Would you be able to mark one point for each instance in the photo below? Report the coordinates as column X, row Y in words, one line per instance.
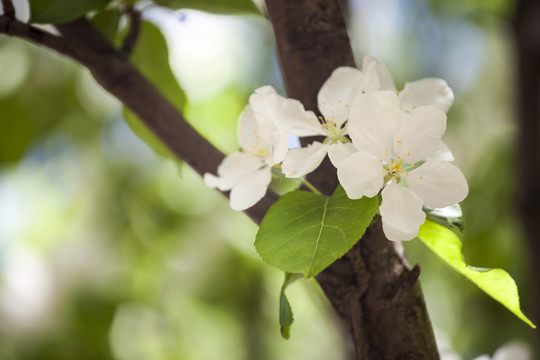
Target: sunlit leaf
column 213, row 6
column 286, row 317
column 58, row 11
column 152, row 58
column 304, row 232
column 497, row 283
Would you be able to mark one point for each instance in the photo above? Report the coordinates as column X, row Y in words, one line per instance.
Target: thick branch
column 83, row 43
column 375, row 294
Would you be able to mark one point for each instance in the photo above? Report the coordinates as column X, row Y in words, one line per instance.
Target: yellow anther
column 421, row 177
column 399, row 141
column 408, row 154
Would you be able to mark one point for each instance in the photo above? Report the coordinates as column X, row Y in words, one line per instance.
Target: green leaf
column 151, row 57
column 497, row 283
column 304, row 232
column 59, row 11
column 286, row 317
column 213, row 6
column 450, row 216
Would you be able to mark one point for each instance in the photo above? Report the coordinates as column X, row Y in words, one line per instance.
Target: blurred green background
column 111, row 249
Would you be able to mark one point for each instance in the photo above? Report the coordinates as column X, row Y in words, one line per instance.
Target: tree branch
column 375, row 294
column 9, row 9
column 82, row 42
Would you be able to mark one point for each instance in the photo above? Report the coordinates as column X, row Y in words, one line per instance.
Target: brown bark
column 527, row 42
column 373, row 291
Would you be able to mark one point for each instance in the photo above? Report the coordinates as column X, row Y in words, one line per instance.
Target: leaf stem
column 309, row 185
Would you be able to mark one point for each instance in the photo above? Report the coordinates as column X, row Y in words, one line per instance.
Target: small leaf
column 450, row 216
column 151, row 56
column 213, row 6
column 59, row 11
column 304, row 232
column 286, row 317
column 497, row 283
column 107, row 22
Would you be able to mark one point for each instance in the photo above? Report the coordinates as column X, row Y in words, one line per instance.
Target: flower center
column 334, row 133
column 397, row 170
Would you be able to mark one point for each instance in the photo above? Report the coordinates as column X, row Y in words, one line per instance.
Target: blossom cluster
column 380, row 140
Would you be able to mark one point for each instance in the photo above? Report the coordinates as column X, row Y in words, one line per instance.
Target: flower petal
column 233, row 169
column 420, row 133
column 361, row 174
column 287, row 114
column 249, row 135
column 250, row 190
column 339, row 151
column 301, row 161
column 438, row 183
column 401, row 212
column 337, row 93
column 376, row 75
column 373, row 121
column 429, row 91
column 441, row 152
column 280, row 146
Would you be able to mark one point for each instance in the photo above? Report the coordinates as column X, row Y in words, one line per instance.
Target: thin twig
column 9, row 9
column 134, row 29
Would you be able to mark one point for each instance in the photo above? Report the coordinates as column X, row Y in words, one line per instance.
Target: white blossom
column 247, row 173
column 334, row 100
column 393, row 148
column 428, row 91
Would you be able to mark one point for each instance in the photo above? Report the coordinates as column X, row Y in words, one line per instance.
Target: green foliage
column 286, row 317
column 450, row 216
column 17, row 131
column 107, row 22
column 151, row 57
column 59, row 11
column 304, row 232
column 497, row 283
column 213, row 6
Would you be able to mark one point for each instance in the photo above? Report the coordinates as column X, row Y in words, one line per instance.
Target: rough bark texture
column 527, row 32
column 371, row 288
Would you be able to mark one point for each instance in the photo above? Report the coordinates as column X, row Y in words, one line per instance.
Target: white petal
column 233, row 169
column 441, row 152
column 373, row 121
column 288, row 115
column 376, row 75
column 430, row 91
column 249, row 134
column 401, row 212
column 339, row 151
column 301, row 161
column 438, row 183
column 247, row 192
column 280, row 145
column 361, row 174
column 337, row 93
column 420, row 133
